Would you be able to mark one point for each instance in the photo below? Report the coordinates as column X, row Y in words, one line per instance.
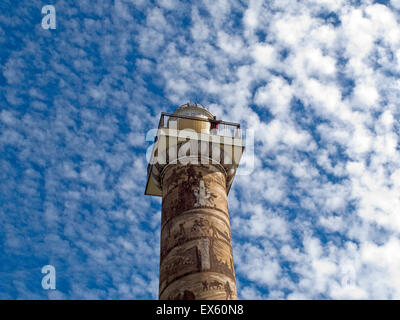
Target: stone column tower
column 193, row 164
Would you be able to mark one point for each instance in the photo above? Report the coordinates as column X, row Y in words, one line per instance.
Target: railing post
column 161, row 124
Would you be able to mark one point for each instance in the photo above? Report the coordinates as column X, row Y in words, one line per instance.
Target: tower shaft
column 196, row 260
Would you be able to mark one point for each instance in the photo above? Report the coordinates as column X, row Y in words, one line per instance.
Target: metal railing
column 217, row 127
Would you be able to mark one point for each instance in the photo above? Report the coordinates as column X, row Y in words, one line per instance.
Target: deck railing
column 217, row 127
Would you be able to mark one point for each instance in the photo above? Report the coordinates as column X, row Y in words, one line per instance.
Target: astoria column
column 192, row 166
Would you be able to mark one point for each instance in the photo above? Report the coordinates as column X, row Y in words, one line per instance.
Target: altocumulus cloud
column 318, row 81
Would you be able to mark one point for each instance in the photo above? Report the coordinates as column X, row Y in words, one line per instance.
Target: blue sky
column 317, row 81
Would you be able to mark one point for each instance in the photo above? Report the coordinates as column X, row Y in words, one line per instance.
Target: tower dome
column 192, row 109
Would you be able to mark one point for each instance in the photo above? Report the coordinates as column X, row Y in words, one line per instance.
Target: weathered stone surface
column 196, row 260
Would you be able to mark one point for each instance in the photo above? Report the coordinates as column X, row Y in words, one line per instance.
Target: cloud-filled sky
column 318, row 217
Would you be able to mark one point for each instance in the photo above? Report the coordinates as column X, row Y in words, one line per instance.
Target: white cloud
column 395, row 3
column 276, row 96
column 316, row 218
